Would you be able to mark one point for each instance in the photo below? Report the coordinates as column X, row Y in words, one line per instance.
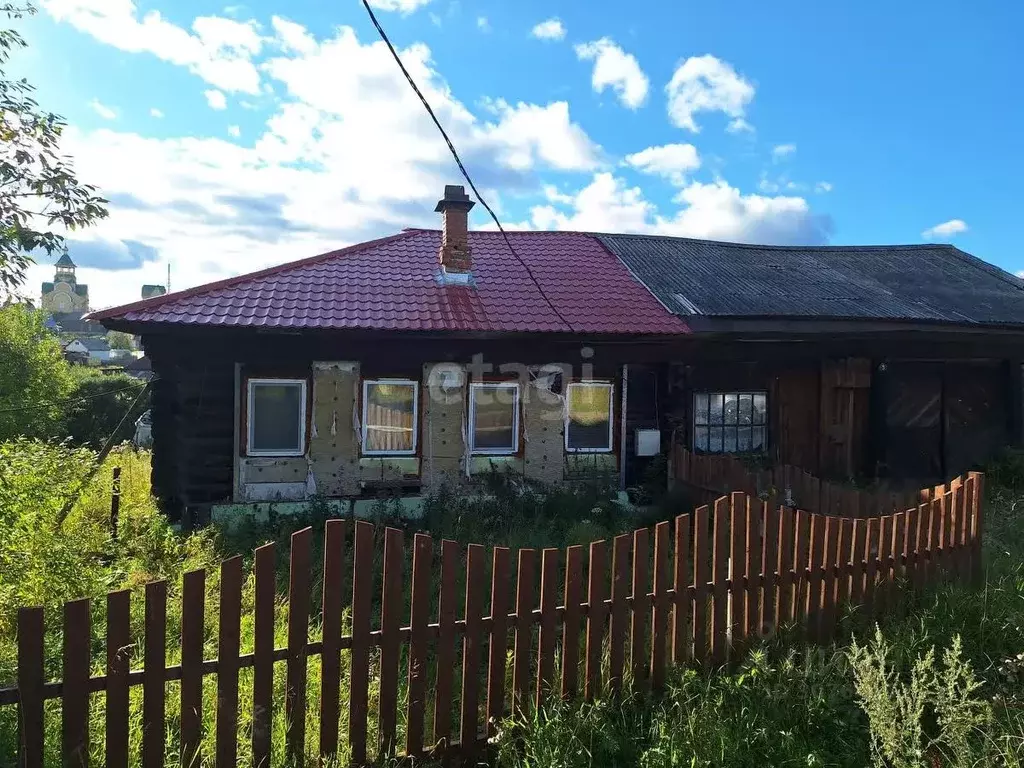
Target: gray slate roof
column 887, row 282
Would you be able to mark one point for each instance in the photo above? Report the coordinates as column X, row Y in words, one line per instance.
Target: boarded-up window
column 588, row 418
column 276, row 417
column 494, row 418
column 389, row 416
column 730, row 422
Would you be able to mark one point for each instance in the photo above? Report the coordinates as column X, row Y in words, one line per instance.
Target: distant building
column 96, row 350
column 65, row 294
column 149, row 291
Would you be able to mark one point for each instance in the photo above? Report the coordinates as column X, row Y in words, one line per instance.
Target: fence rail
column 614, row 614
column 717, row 474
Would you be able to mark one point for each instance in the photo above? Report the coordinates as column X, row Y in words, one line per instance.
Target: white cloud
column 615, row 69
column 945, row 230
column 707, row 84
column 823, row 186
column 218, row 50
column 154, row 112
column 782, row 151
column 714, row 211
column 672, row 161
column 739, row 125
column 347, row 154
column 216, row 99
column 551, row 29
column 402, row 6
column 107, row 113
column 234, row 131
column 483, row 24
column 292, row 36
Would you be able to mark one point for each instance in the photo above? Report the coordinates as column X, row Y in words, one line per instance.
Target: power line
column 458, row 161
column 68, row 401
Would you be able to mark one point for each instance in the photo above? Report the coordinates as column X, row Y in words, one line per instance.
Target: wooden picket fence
column 614, row 615
column 717, row 473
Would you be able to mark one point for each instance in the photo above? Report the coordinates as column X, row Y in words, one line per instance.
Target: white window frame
column 473, row 389
column 611, row 416
column 250, row 422
column 367, row 383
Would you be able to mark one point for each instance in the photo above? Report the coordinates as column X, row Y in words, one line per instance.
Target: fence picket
column 330, row 654
column 193, row 609
column 737, row 570
column 681, row 575
column 445, row 645
column 787, row 571
column 769, row 567
column 597, row 616
column 720, row 570
column 801, row 559
column 924, row 526
column 977, row 495
column 899, row 530
column 228, row 636
column 118, row 660
column 945, row 531
column 359, row 656
column 298, row 635
column 844, row 552
column 659, row 612
column 524, row 629
column 263, row 654
column 871, row 550
column 390, row 649
column 701, row 577
column 571, row 620
column 497, row 647
column 815, row 579
column 860, row 537
column 419, row 617
column 957, row 534
column 548, row 619
column 30, row 687
column 620, row 588
column 75, row 694
column 154, row 662
column 755, row 523
column 474, row 611
column 827, row 626
column 640, row 610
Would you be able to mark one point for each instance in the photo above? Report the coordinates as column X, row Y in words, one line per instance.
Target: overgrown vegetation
column 940, row 683
column 42, row 396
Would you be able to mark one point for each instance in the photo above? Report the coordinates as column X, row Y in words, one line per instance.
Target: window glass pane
column 715, row 409
column 700, row 438
column 590, row 408
column 494, row 415
column 715, row 441
column 700, row 409
column 276, row 416
column 389, row 416
column 758, row 442
column 730, row 410
column 729, row 440
column 760, row 408
column 745, row 407
column 743, row 442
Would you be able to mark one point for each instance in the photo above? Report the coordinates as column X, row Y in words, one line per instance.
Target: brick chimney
column 455, row 255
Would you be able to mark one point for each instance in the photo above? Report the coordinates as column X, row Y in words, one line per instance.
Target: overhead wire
column 68, row 401
column 458, row 161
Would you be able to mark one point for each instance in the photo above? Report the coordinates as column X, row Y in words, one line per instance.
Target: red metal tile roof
column 392, row 284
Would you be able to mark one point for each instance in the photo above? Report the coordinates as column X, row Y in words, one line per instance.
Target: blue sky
column 233, row 137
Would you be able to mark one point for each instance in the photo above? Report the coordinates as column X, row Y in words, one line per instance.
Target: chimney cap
column 454, row 197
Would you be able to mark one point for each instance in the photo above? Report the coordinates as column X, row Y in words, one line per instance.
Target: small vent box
column 648, row 442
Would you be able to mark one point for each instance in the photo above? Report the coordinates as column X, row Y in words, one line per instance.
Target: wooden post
column 75, row 698
column 30, row 687
column 115, row 502
column 419, row 617
column 227, row 662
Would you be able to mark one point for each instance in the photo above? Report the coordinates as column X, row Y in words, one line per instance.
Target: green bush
column 98, row 404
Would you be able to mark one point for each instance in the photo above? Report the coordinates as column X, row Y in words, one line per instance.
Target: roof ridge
column 230, row 282
column 765, row 247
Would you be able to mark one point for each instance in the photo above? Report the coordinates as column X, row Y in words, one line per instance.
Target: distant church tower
column 64, row 294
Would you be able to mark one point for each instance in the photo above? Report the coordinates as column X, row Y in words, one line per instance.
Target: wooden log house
column 398, row 364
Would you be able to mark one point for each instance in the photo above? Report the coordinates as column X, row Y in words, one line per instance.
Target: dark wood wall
column 912, row 407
